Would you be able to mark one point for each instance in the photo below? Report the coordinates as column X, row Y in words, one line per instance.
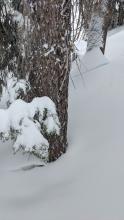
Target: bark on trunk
column 100, row 21
column 49, row 61
column 121, row 13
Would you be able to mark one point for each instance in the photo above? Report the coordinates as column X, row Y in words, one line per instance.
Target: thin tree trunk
column 121, row 13
column 99, row 24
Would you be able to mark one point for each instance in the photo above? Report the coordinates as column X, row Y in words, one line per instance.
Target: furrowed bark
column 49, row 62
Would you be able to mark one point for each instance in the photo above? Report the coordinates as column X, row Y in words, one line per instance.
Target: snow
column 12, row 89
column 88, row 181
column 81, row 47
column 94, row 59
column 87, row 62
column 31, row 139
column 4, row 121
column 21, row 126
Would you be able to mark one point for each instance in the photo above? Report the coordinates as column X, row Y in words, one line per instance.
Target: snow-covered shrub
column 27, row 123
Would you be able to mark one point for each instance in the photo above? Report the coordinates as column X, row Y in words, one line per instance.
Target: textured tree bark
column 121, row 13
column 100, row 21
column 39, row 50
column 49, row 61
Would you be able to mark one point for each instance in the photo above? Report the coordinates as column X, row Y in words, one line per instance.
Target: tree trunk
column 50, row 62
column 121, row 13
column 99, row 24
column 40, row 52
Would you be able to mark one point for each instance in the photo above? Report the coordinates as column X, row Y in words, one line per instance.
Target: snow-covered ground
column 87, row 183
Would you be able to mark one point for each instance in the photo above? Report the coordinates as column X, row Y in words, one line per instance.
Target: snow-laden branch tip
column 28, row 123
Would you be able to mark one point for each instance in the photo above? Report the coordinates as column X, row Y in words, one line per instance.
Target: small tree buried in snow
column 29, row 125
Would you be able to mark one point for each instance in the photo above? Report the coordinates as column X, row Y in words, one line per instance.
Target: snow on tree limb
column 28, row 123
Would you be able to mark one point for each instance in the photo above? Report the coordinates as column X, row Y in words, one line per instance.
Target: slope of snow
column 88, row 62
column 87, row 183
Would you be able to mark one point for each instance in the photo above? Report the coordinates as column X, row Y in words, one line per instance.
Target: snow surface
column 87, row 183
column 88, row 62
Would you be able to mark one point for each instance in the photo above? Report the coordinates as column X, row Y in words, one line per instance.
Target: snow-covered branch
column 28, row 124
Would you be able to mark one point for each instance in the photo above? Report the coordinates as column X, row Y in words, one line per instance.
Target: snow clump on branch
column 28, row 124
